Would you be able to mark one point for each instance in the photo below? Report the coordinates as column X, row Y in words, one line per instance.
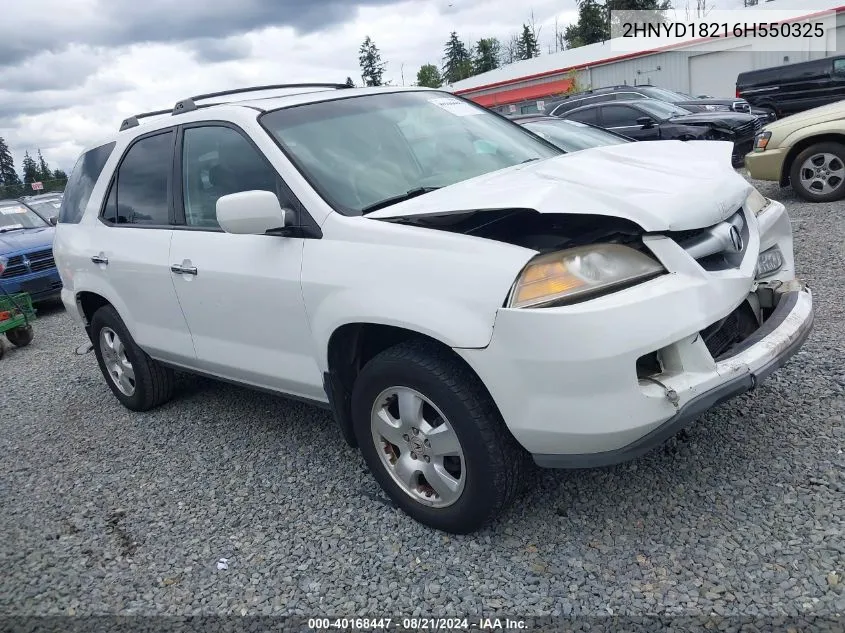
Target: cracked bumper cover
column 769, row 348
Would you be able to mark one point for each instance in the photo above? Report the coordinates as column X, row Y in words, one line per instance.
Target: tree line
column 34, row 170
column 462, row 60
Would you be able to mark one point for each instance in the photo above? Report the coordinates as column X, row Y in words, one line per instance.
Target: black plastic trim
column 282, row 394
column 339, row 403
column 698, row 405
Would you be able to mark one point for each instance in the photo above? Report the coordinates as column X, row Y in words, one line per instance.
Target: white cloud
column 64, row 100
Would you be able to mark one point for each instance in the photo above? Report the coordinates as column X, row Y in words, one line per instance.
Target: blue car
column 26, row 252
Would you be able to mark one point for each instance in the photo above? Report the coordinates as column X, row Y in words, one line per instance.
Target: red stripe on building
column 522, row 94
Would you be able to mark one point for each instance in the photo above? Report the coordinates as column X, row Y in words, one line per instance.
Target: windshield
column 362, row 151
column 572, row 136
column 47, row 208
column 666, row 95
column 17, row 216
column 661, row 110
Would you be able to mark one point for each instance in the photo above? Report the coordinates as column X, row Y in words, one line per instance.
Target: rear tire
column 486, row 468
column 808, row 183
column 150, row 384
column 20, row 336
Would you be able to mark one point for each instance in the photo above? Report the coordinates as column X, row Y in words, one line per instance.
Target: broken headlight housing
column 769, row 262
column 580, row 273
column 756, row 202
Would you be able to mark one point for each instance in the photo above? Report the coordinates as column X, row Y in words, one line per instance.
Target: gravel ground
column 107, row 511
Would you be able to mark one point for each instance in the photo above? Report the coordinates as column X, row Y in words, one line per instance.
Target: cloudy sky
column 71, row 70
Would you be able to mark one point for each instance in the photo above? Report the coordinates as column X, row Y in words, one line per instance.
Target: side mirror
column 54, row 220
column 645, row 121
column 250, row 213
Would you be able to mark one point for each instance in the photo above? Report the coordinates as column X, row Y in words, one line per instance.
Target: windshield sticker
column 455, row 106
column 12, row 210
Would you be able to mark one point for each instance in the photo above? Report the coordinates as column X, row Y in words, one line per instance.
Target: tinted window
column 661, row 110
column 588, row 115
column 217, row 161
column 81, row 183
column 141, row 193
column 572, row 136
column 839, row 66
column 619, row 116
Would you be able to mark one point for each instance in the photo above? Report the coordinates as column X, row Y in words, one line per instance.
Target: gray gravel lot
column 107, row 511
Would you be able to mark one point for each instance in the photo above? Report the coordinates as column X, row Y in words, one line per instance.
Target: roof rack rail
column 133, row 120
column 189, row 104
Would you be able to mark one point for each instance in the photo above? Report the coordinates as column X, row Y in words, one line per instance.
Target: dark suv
column 794, row 88
column 629, row 93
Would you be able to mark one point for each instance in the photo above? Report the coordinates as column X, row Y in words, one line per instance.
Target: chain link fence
column 19, row 191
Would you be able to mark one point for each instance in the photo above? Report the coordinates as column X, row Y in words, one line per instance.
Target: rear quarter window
column 81, row 183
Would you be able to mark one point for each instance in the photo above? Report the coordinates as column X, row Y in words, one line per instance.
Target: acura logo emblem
column 736, row 239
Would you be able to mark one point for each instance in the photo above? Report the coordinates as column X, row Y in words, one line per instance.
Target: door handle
column 100, row 259
column 183, row 270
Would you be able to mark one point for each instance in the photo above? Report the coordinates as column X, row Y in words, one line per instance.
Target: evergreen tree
column 591, row 26
column 457, row 63
column 44, row 172
column 59, row 174
column 349, row 82
column 30, row 169
column 487, row 54
column 429, row 76
column 8, row 174
column 527, row 47
column 372, row 68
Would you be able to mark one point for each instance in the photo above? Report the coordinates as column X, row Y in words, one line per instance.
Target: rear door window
column 81, row 183
column 141, row 192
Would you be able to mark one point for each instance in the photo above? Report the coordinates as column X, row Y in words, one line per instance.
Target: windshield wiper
column 14, row 228
column 411, row 193
column 529, row 160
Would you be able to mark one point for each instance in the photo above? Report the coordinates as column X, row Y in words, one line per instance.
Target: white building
column 709, row 68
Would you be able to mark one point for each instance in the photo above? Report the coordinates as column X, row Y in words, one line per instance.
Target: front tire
column 138, row 381
column 433, row 438
column 818, row 173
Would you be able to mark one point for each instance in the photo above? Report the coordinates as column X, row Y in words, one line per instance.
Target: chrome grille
column 746, row 129
column 717, row 247
column 31, row 262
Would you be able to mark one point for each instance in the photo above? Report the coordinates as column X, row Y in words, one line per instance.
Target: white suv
column 463, row 296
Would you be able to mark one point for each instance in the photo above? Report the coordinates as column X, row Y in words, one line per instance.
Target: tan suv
column 806, row 150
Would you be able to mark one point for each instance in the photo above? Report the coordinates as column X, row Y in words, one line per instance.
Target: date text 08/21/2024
column 415, row 624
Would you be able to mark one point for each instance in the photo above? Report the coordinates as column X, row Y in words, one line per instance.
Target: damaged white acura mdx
column 463, row 296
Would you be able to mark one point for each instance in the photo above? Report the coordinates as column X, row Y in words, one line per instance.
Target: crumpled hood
column 26, row 239
column 659, row 185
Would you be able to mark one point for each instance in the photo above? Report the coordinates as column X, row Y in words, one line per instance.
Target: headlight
column 717, row 108
column 756, row 202
column 579, row 273
column 761, row 141
column 3, row 262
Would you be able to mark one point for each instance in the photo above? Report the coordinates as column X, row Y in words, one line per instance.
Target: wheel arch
column 802, row 144
column 89, row 301
column 349, row 348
